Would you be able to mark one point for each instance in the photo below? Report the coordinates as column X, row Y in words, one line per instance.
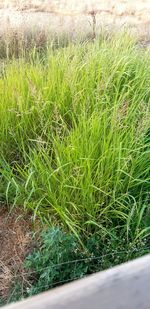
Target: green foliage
column 53, row 263
column 59, row 258
column 74, row 137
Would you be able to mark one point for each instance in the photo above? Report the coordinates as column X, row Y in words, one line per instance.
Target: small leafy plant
column 59, row 258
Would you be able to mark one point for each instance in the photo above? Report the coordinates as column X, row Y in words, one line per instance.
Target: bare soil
column 15, row 241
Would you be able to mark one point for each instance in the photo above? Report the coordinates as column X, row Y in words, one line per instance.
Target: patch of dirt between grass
column 15, row 243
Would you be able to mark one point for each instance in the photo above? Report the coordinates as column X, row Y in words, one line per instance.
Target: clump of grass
column 15, row 43
column 20, row 43
column 73, row 129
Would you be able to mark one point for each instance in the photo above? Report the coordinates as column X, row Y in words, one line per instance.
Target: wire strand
column 94, row 258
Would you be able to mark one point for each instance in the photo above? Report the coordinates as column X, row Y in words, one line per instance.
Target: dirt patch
column 15, row 241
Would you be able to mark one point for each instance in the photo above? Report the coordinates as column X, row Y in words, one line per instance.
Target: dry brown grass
column 15, row 240
column 64, row 16
column 17, row 43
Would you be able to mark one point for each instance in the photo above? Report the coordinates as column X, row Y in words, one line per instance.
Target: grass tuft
column 74, row 131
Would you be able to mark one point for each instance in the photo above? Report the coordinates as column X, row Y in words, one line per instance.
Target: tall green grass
column 75, row 142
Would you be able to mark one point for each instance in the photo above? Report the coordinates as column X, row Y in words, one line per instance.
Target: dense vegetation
column 75, row 141
column 59, row 259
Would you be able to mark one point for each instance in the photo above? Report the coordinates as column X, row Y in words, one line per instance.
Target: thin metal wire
column 60, row 282
column 83, row 260
column 53, row 284
column 48, row 286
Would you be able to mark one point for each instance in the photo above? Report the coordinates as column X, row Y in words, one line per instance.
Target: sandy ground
column 75, row 15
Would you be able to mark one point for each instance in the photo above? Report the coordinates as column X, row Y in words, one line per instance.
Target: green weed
column 59, row 259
